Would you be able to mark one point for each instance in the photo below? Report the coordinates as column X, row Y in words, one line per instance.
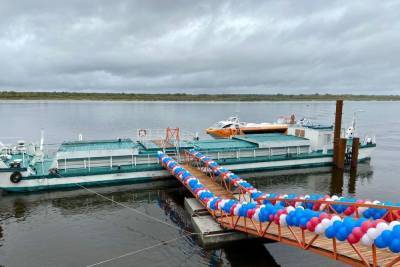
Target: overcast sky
column 201, row 46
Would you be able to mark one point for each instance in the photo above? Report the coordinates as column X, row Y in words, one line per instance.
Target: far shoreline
column 197, row 98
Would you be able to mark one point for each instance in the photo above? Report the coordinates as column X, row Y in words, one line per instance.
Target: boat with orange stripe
column 233, row 126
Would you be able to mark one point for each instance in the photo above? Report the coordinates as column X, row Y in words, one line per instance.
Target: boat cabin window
column 227, row 126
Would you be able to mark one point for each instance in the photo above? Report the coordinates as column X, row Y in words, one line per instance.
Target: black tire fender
column 15, row 177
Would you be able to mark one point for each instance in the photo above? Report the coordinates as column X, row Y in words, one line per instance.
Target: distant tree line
column 12, row 95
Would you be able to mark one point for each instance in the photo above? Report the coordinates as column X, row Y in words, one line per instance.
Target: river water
column 79, row 228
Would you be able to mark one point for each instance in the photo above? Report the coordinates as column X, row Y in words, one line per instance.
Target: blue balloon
column 336, row 225
column 367, row 213
column 380, row 243
column 289, row 220
column 303, row 222
column 376, row 215
column 387, row 236
column 395, row 245
column 396, row 231
column 330, row 232
column 342, row 233
column 295, row 221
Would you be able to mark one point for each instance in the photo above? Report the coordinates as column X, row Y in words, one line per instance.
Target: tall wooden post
column 354, row 152
column 341, row 153
column 337, row 131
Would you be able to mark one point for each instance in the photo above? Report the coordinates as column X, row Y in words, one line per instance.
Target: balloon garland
column 261, row 197
column 352, row 230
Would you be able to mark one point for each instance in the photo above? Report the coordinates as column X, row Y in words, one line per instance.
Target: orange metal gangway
column 353, row 254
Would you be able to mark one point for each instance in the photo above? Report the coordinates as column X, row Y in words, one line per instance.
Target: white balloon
column 366, row 241
column 290, row 209
column 255, row 216
column 372, row 233
column 380, row 227
column 326, row 222
column 319, row 229
column 335, row 218
column 335, row 197
column 323, row 206
column 376, row 202
column 236, row 210
column 282, row 220
column 222, row 203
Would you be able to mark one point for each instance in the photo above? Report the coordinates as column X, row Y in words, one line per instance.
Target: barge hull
column 114, row 178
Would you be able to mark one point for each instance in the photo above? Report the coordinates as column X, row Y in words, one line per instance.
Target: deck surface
column 214, row 187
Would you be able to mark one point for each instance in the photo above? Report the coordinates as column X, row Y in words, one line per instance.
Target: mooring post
column 354, row 152
column 337, row 131
column 341, row 153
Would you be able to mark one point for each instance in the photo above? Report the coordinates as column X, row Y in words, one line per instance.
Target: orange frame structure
column 353, row 254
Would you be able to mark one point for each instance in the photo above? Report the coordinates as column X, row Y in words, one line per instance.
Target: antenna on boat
column 41, row 139
column 353, row 123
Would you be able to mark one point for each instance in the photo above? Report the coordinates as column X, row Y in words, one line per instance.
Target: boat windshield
column 227, row 125
column 219, row 125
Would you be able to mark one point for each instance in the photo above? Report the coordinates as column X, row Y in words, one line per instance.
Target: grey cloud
column 201, row 46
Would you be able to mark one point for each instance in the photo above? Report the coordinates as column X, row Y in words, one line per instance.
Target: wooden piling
column 341, row 153
column 337, row 131
column 354, row 152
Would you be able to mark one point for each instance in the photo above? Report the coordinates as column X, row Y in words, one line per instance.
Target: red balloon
column 315, row 221
column 352, row 239
column 357, row 232
column 347, row 212
column 365, row 226
column 323, row 216
column 310, row 226
column 317, row 205
column 250, row 213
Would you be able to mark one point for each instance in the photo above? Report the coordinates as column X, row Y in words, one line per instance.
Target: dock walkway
column 353, row 254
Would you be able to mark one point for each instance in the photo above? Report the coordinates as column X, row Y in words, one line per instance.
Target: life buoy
column 142, row 133
column 15, row 177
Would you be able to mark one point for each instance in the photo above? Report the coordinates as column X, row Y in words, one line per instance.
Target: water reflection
column 324, row 180
column 256, row 254
column 336, row 185
column 352, row 182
